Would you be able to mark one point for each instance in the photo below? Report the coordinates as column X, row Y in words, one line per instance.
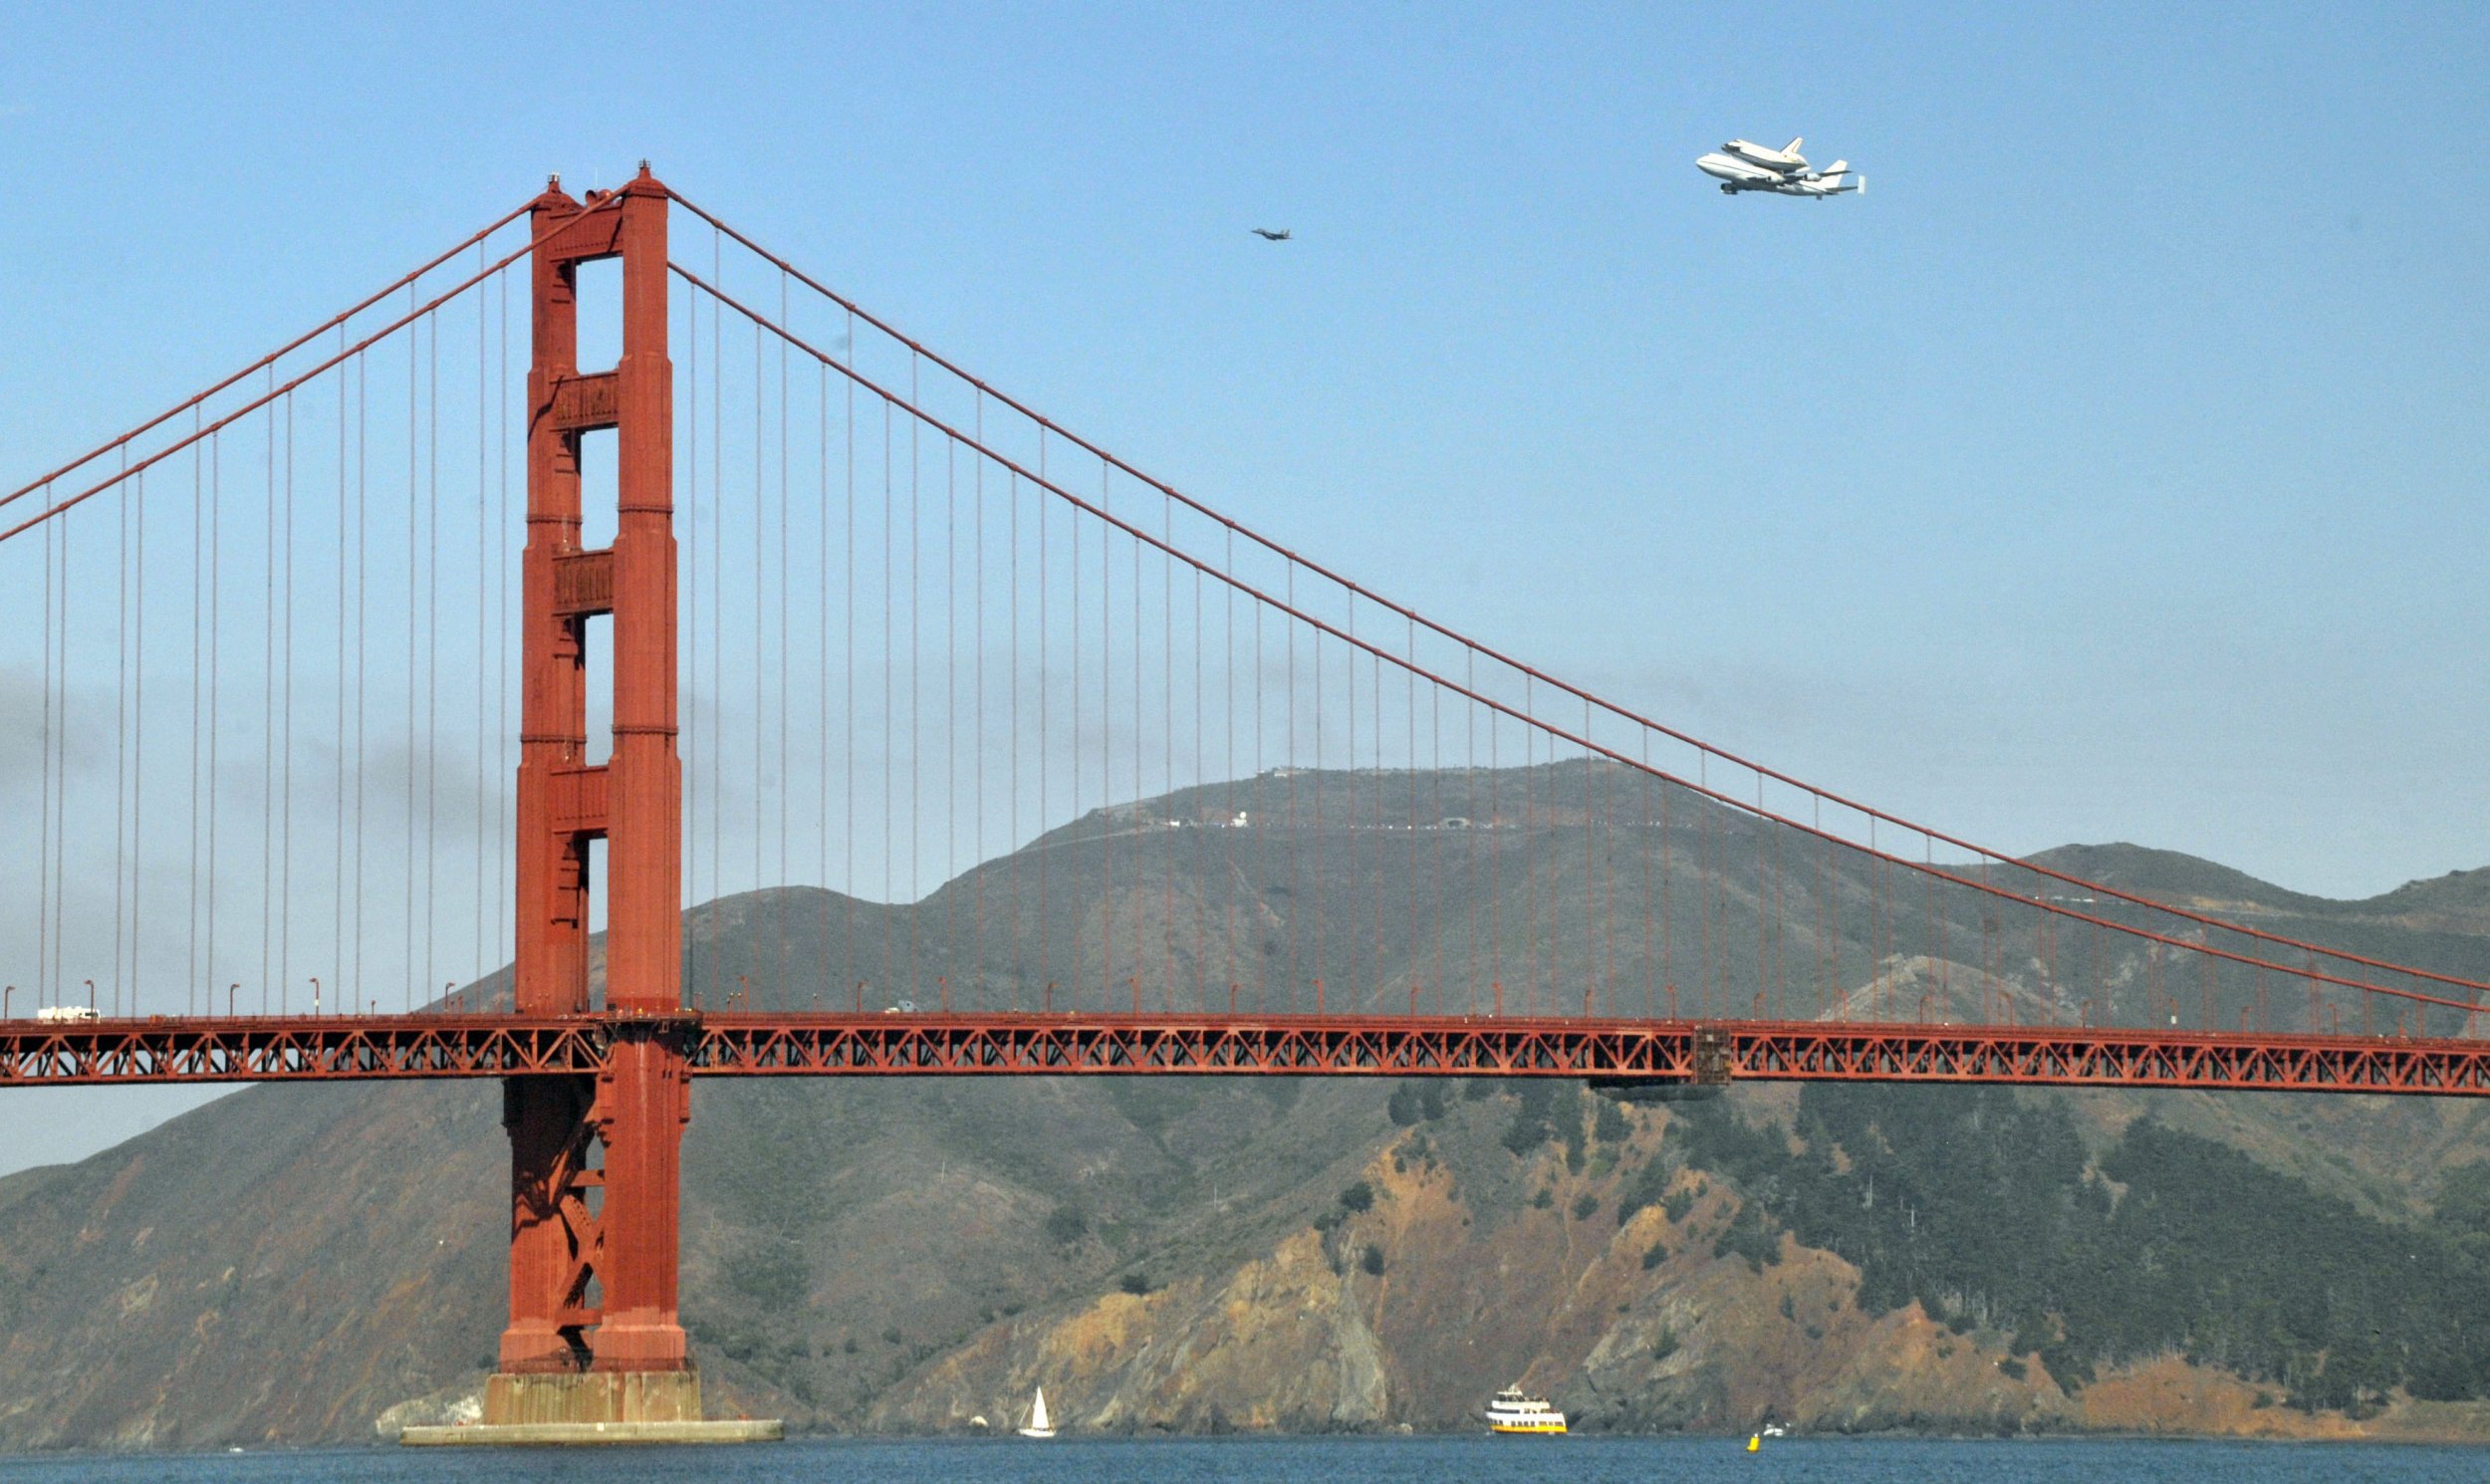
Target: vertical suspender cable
column 285, row 806
column 1106, row 752
column 1668, row 937
column 363, row 673
column 1045, row 936
column 977, row 736
column 1201, row 840
column 1824, row 946
column 268, row 719
column 431, row 646
column 120, row 721
column 1768, row 888
column 760, row 618
column 1495, row 813
column 1233, row 933
column 348, row 989
column 1421, row 884
column 1315, row 638
column 1257, row 686
column 415, row 585
column 951, row 697
column 950, row 669
column 849, row 832
column 915, row 663
column 1936, row 929
column 717, row 588
column 1354, row 993
column 1464, row 867
column 1875, row 922
column 503, row 532
column 889, row 695
column 44, row 875
column 1382, row 892
column 1436, row 837
column 1530, row 850
column 1641, row 825
column 1140, row 750
column 700, row 739
column 890, row 728
column 1703, row 881
column 198, row 550
column 1167, row 732
column 1602, row 938
column 1072, row 970
column 786, row 786
column 215, row 608
column 483, row 564
column 1011, row 681
column 137, row 734
column 1167, row 740
column 59, row 777
column 697, row 738
column 822, row 650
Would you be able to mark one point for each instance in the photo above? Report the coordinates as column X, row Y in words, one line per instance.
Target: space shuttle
column 1785, row 160
column 1743, row 165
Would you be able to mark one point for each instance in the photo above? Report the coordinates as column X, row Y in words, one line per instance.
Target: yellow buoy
column 1755, row 1444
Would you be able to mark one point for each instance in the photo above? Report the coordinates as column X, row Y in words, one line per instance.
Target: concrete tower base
column 596, row 1407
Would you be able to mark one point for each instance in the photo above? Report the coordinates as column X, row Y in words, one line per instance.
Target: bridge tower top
column 633, row 801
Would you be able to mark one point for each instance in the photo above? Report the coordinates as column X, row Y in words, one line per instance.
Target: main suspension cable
column 1324, row 629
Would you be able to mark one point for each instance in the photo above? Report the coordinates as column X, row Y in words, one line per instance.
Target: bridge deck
column 798, row 1043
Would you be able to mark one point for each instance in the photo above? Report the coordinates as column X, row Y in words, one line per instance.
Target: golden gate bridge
column 1090, row 778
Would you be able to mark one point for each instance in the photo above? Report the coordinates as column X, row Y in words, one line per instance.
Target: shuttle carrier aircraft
column 1745, row 165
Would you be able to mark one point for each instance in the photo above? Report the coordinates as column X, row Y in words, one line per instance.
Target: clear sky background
column 2113, row 470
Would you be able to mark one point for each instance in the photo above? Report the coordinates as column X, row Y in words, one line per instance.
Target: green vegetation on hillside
column 1985, row 1208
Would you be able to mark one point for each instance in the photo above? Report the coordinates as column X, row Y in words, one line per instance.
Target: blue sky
column 2110, row 471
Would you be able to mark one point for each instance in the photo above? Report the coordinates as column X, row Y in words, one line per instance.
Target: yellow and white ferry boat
column 1512, row 1413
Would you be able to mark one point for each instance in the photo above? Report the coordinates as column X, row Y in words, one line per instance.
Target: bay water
column 1349, row 1460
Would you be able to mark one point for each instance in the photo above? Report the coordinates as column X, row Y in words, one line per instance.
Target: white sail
column 1039, row 1426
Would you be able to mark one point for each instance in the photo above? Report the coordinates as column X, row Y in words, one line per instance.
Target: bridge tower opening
column 596, row 1188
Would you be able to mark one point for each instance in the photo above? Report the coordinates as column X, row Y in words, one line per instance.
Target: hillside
column 293, row 1264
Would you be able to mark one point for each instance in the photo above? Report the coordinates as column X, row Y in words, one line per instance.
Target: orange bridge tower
column 596, row 1189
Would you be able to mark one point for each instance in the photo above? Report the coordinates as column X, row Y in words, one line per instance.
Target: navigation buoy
column 1755, row 1442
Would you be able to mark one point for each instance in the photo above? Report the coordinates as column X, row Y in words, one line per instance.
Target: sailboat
column 1039, row 1426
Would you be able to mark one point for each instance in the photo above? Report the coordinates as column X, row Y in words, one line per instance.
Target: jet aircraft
column 1267, row 235
column 1743, row 165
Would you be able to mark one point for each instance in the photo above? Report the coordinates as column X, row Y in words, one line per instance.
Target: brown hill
column 298, row 1263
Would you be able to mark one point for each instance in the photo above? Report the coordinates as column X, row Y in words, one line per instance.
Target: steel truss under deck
column 798, row 1043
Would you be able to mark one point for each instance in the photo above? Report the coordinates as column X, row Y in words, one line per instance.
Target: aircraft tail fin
column 1793, row 146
